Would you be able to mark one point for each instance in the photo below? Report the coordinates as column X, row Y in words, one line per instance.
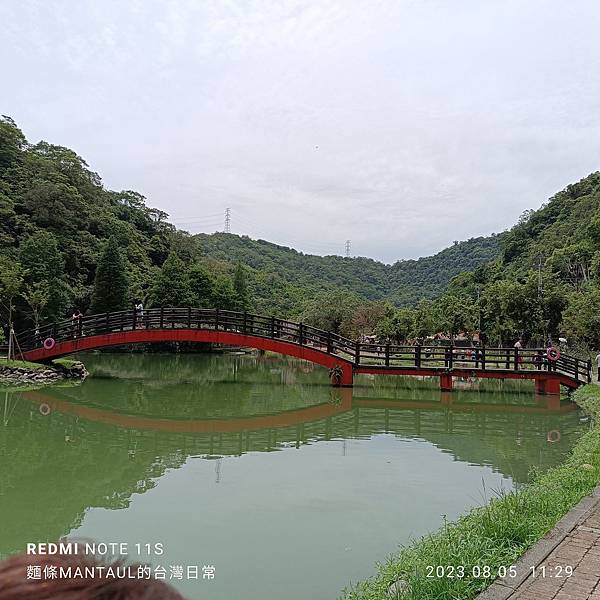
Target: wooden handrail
column 384, row 355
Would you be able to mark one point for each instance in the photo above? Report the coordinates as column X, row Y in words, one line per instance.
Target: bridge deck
column 342, row 356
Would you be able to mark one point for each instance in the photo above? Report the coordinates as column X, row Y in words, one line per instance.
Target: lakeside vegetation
column 25, row 364
column 496, row 534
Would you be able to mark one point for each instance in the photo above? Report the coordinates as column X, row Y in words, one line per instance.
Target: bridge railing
column 190, row 318
column 361, row 354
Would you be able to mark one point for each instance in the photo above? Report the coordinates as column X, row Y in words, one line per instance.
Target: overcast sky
column 400, row 125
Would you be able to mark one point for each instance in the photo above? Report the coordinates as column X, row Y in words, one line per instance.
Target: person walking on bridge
column 518, row 347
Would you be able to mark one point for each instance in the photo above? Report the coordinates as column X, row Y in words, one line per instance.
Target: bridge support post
column 446, row 382
column 547, row 386
column 446, row 398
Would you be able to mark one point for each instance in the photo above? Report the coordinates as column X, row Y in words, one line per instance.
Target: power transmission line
column 227, row 220
column 202, row 217
column 246, row 223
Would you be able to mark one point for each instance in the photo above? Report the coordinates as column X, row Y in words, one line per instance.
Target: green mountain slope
column 544, row 285
column 569, row 220
column 404, row 282
column 56, row 219
column 427, row 277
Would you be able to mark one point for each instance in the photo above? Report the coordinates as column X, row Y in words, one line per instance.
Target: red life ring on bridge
column 44, row 409
column 553, row 436
column 553, row 353
column 49, row 343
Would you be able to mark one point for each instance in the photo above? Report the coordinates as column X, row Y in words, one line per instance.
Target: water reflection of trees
column 201, row 386
column 55, row 467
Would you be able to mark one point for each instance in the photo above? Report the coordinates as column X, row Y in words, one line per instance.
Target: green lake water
column 255, row 465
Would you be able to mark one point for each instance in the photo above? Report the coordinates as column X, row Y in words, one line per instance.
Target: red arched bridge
column 343, row 357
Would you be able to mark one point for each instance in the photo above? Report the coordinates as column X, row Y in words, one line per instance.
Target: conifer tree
column 240, row 285
column 172, row 284
column 45, row 268
column 201, row 286
column 111, row 285
column 224, row 296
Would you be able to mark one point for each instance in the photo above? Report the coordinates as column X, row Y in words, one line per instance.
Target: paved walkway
column 580, row 550
column 573, row 543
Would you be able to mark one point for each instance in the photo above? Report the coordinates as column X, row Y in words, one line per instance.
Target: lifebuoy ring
column 45, row 409
column 553, row 353
column 49, row 343
column 553, row 436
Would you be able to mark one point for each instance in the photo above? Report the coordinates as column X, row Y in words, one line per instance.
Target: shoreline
column 17, row 373
column 496, row 535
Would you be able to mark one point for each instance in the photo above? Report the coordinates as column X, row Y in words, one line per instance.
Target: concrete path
column 572, row 546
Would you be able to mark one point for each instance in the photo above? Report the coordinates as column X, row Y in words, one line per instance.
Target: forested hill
column 67, row 243
column 545, row 283
column 428, row 277
column 404, row 282
column 564, row 234
column 55, row 219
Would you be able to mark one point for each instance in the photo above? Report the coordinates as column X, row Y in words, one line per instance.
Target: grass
column 496, row 534
column 24, row 364
column 64, row 362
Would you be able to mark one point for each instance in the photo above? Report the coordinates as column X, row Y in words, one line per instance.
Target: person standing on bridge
column 518, row 347
column 76, row 322
column 538, row 359
column 139, row 313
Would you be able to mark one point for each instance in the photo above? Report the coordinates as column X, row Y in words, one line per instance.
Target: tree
column 172, row 284
column 399, row 326
column 240, row 285
column 223, row 293
column 332, row 311
column 464, row 285
column 572, row 263
column 37, row 296
column 8, row 218
column 44, row 263
column 500, row 302
column 111, row 284
column 367, row 315
column 426, row 318
column 456, row 314
column 582, row 317
column 12, row 142
column 11, row 282
column 201, row 286
column 594, row 230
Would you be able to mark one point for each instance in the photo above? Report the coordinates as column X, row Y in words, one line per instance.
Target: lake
column 256, row 466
